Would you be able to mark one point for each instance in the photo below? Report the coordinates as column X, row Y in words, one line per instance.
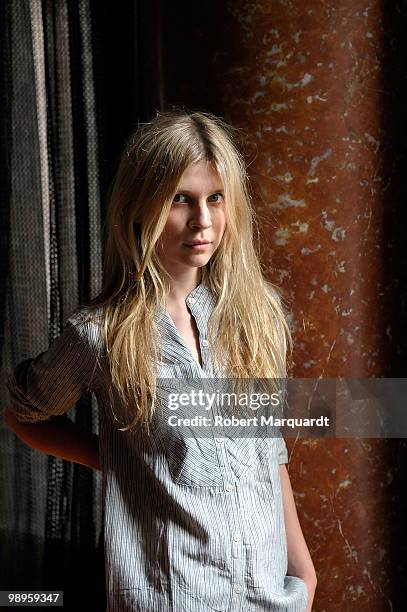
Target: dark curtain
column 76, row 78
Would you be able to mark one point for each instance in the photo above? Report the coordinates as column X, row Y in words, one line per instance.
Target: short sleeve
column 52, row 382
column 282, row 450
column 281, row 445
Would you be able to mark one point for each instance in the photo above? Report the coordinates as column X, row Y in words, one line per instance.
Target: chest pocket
column 182, row 435
column 194, row 462
column 206, row 462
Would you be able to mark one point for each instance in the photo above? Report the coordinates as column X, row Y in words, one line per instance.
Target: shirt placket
column 202, row 329
column 230, row 490
column 232, row 518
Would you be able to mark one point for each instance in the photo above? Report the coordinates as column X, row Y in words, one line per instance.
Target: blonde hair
column 252, row 333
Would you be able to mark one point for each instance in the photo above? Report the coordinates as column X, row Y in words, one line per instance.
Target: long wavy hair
column 252, row 336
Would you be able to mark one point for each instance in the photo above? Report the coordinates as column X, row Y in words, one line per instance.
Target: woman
column 190, row 524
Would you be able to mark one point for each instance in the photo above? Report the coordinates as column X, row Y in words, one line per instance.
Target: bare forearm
column 59, row 437
column 299, row 559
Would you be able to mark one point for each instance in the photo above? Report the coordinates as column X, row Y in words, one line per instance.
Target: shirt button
column 219, row 440
column 236, row 537
column 229, row 486
column 237, row 588
column 191, row 300
column 205, row 343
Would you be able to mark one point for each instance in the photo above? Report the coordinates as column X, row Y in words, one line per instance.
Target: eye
column 178, row 195
column 220, row 197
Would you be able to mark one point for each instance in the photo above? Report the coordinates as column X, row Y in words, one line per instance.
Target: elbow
column 314, row 580
column 11, row 422
column 20, row 429
column 9, row 419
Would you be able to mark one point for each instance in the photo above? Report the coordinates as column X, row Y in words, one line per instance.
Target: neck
column 182, row 285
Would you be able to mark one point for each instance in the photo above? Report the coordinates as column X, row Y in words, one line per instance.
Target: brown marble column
column 308, row 81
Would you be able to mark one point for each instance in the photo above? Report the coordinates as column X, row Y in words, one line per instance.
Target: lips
column 197, row 242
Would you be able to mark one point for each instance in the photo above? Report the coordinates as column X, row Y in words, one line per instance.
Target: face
column 197, row 215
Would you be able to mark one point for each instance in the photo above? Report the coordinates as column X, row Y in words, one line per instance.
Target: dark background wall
column 320, row 91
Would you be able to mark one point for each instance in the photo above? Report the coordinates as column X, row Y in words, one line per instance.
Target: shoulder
column 273, row 291
column 272, row 288
column 87, row 322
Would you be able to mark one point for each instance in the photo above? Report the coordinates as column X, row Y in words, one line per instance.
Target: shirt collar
column 201, row 291
column 198, row 300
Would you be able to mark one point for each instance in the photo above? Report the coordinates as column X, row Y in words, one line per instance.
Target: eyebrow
column 216, row 190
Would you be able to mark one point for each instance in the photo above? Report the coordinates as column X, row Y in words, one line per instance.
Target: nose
column 200, row 216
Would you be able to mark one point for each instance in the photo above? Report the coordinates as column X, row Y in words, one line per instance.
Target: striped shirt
column 190, row 525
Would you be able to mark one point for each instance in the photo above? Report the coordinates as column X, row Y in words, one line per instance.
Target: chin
column 198, row 262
